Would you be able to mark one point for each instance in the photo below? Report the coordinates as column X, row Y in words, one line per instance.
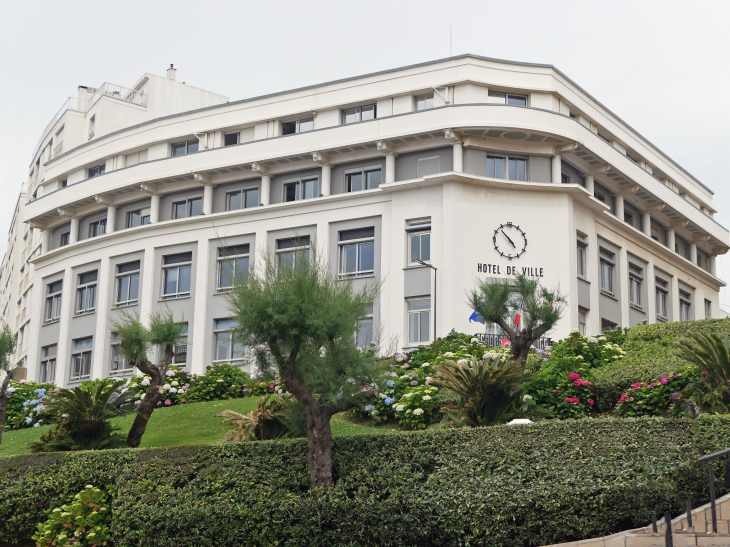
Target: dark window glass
column 128, row 267
column 178, row 149
column 517, row 100
column 230, row 139
column 192, row 146
column 288, row 128
column 290, row 191
column 180, row 257
column 360, row 233
column 88, row 277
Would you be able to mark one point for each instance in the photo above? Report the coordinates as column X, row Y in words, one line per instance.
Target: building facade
column 471, row 166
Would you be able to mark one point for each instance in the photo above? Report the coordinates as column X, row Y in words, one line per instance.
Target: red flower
column 590, row 402
column 554, row 391
column 705, row 373
column 574, row 376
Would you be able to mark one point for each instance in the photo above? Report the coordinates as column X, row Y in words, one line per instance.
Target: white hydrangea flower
column 462, row 362
column 408, row 395
column 425, row 365
column 448, row 354
column 602, row 338
column 175, row 383
column 575, row 331
column 525, row 397
column 418, row 411
column 10, row 390
column 166, row 387
column 173, row 390
column 592, row 340
column 426, row 397
column 474, row 340
column 400, row 408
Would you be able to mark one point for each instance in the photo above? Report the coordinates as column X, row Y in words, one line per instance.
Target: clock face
column 509, row 240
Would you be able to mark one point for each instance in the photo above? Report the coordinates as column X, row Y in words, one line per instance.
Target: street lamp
column 435, row 270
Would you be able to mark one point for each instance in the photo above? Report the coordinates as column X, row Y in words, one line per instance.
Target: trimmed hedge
column 508, row 485
column 649, row 353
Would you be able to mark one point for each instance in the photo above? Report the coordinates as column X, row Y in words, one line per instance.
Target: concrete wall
column 406, row 164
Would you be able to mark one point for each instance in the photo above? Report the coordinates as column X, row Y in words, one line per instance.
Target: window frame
column 507, row 96
column 636, row 282
column 661, row 300
column 365, row 182
column 228, row 330
column 238, row 138
column 358, row 111
column 48, row 362
column 368, row 318
column 96, row 226
column 97, row 170
column 234, row 258
column 125, row 367
column 65, row 239
column 582, row 258
column 296, row 251
column 708, row 309
column 243, row 191
column 87, row 287
column 357, row 243
column 685, row 306
column 179, row 348
column 80, row 354
column 425, row 98
column 187, row 144
column 176, row 266
column 297, row 125
column 419, row 313
column 142, row 217
column 582, row 321
column 129, row 273
column 53, row 302
column 299, row 182
column 418, row 230
column 610, row 267
column 188, row 202
column 506, row 164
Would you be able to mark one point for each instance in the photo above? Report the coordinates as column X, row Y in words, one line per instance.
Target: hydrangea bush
column 220, row 381
column 177, row 383
column 25, row 404
column 415, row 409
column 663, row 394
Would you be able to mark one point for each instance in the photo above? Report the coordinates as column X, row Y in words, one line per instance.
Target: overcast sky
column 662, row 66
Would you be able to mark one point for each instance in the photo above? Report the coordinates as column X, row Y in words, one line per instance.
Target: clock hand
column 508, row 239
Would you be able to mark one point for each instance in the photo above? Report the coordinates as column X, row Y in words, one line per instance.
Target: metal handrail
column 710, row 458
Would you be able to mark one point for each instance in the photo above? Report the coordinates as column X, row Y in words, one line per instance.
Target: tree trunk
column 319, row 456
column 4, row 398
column 520, row 346
column 151, row 397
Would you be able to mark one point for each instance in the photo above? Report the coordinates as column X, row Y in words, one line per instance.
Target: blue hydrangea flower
column 28, row 420
column 389, row 401
column 34, row 402
column 390, row 383
column 369, row 408
column 26, row 403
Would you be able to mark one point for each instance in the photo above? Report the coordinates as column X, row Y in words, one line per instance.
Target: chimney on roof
column 171, row 72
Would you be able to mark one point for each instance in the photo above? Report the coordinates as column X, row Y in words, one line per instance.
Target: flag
column 476, row 317
column 506, row 342
column 518, row 315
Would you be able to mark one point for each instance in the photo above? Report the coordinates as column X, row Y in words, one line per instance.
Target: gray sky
column 662, row 66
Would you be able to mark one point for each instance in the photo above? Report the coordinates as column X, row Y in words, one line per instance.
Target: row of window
column 606, row 283
column 356, row 259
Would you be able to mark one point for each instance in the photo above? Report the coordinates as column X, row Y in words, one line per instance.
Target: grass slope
column 177, row 425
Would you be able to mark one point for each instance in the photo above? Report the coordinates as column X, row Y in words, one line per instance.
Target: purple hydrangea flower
column 339, row 396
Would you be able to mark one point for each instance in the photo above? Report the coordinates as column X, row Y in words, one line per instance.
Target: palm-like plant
column 84, row 417
column 711, row 353
column 491, row 391
column 266, row 422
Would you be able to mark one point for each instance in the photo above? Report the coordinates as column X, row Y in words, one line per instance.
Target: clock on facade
column 509, row 240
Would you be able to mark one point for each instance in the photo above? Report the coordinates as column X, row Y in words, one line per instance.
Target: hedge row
column 649, row 353
column 509, row 485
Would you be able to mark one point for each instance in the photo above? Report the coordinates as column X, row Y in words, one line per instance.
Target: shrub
column 175, row 389
column 536, row 484
column 571, row 396
column 258, row 387
column 269, row 420
column 220, row 381
column 84, row 522
column 415, row 409
column 662, row 394
column 650, row 351
column 25, row 404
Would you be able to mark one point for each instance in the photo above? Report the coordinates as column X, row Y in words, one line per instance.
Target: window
column 97, row 228
column 516, row 168
column 564, row 178
column 48, row 365
column 507, row 98
column 661, row 299
column 176, row 273
column 127, row 284
column 229, row 139
column 96, row 171
column 419, row 317
column 227, row 347
column 428, row 165
column 600, row 197
column 635, row 281
column 183, row 148
column 187, row 208
column 81, row 360
column 64, row 183
column 53, row 301
column 357, row 253
column 86, row 293
column 120, row 364
column 582, row 255
column 65, row 238
column 232, row 265
column 180, row 350
column 243, row 198
column 708, row 309
column 301, row 125
column 358, row 114
column 305, row 188
column 140, row 217
column 607, row 267
column 424, row 101
column 607, row 325
column 364, row 334
column 582, row 322
column 629, row 218
column 362, row 179
column 291, row 250
column 419, row 242
column 92, row 126
column 685, row 306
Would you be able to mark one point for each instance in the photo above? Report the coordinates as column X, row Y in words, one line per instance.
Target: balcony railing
column 119, row 92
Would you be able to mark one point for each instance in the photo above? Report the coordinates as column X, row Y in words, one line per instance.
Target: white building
column 478, row 167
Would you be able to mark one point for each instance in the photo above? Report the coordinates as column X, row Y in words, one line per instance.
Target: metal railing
column 496, row 340
column 710, row 458
column 119, row 92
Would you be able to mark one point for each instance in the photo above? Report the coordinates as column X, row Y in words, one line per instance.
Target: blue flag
column 476, row 317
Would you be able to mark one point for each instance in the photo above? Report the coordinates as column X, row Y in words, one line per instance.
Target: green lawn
column 184, row 424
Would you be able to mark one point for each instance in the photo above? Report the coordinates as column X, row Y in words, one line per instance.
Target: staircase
column 682, row 534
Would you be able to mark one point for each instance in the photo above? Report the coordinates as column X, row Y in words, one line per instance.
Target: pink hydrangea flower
column 137, row 403
column 574, row 376
column 171, row 373
column 590, row 402
column 573, row 400
column 664, row 380
column 168, row 402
